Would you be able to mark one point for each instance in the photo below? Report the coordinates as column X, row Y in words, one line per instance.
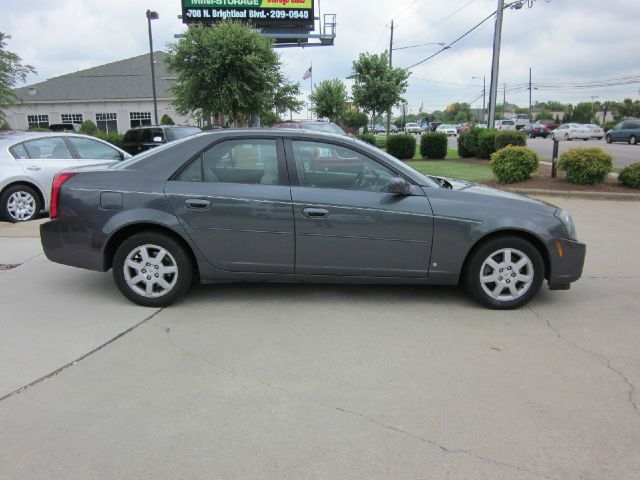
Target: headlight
column 567, row 221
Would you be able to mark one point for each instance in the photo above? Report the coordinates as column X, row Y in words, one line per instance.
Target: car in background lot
column 536, row 130
column 286, row 205
column 450, row 130
column 327, row 127
column 571, row 131
column 64, row 127
column 383, row 129
column 141, row 139
column 412, row 128
column 505, row 125
column 596, row 131
column 521, row 120
column 627, row 131
column 550, row 125
column 30, row 160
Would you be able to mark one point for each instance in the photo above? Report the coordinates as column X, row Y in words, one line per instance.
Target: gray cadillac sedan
column 301, row 206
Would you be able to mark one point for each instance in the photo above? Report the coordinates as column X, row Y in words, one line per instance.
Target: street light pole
column 495, row 65
column 153, row 16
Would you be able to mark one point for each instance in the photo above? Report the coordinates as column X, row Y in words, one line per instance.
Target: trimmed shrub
column 468, row 143
column 114, row 138
column 88, row 128
column 166, row 120
column 514, row 164
column 630, row 176
column 367, row 137
column 354, row 120
column 586, row 166
column 486, row 143
column 402, row 146
column 510, row 137
column 4, row 126
column 381, row 141
column 434, row 145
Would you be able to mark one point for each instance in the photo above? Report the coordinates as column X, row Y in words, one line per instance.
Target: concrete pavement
column 327, row 382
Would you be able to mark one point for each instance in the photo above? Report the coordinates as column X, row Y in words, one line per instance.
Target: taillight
column 58, row 180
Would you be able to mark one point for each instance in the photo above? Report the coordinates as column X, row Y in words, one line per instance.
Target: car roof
column 11, row 137
column 163, row 126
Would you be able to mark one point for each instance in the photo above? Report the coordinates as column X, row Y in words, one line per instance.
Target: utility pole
column 504, row 101
column 391, row 66
column 484, row 95
column 530, row 115
column 495, row 65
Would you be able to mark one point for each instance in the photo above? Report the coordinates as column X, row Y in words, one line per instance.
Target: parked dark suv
column 627, row 131
column 140, row 139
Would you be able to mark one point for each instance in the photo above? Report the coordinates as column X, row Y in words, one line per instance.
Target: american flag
column 307, row 74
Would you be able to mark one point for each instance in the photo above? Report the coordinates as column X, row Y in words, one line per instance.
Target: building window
column 107, row 122
column 38, row 121
column 140, row 119
column 71, row 118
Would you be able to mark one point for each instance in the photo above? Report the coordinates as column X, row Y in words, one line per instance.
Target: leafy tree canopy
column 231, row 69
column 11, row 71
column 329, row 99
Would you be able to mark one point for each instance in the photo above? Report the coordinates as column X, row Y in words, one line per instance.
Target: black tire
column 8, row 212
column 608, row 139
column 176, row 255
column 633, row 140
column 490, row 248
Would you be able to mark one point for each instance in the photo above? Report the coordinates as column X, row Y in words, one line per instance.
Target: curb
column 576, row 194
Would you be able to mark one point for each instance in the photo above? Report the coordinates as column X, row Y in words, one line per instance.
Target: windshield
column 324, row 127
column 174, row 134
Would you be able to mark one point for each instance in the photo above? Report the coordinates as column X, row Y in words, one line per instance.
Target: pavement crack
column 78, row 360
column 604, row 361
column 345, row 411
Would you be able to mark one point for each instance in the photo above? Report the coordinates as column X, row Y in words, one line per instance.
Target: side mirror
column 399, row 186
column 158, row 139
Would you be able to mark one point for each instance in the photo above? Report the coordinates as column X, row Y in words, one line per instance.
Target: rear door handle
column 33, row 168
column 315, row 212
column 195, row 204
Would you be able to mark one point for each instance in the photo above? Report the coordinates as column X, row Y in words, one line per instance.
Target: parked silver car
column 29, row 161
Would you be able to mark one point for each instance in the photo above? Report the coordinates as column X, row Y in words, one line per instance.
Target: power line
column 441, row 21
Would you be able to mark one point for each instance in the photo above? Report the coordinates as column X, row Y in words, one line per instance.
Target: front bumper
column 57, row 251
column 567, row 261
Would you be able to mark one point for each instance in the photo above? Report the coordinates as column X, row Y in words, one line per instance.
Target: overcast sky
column 565, row 42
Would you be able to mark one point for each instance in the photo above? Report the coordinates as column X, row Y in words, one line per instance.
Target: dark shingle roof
column 125, row 79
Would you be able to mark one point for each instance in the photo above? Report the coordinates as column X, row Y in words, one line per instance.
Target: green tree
column 88, row 128
column 166, row 120
column 269, row 118
column 582, row 113
column 377, row 86
column 11, row 71
column 229, row 68
column 544, row 115
column 354, row 120
column 628, row 108
column 329, row 99
column 459, row 113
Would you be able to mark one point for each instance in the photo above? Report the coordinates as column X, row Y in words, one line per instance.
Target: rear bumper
column 566, row 268
column 56, row 250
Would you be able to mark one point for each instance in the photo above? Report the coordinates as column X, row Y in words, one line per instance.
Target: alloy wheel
column 21, row 206
column 506, row 274
column 150, row 271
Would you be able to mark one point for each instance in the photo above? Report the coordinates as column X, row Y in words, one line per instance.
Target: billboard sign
column 261, row 13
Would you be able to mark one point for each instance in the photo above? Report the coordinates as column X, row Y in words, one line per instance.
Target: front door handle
column 315, row 212
column 34, row 168
column 196, row 204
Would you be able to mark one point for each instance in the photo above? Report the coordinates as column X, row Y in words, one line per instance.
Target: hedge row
column 483, row 143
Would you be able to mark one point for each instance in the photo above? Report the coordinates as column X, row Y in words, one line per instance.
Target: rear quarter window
column 18, row 152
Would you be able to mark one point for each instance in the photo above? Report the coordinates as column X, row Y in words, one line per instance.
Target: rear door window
column 49, row 147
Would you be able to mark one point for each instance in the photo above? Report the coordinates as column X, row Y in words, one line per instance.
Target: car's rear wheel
column 152, row 269
column 504, row 273
column 566, row 136
column 608, row 139
column 19, row 203
column 633, row 140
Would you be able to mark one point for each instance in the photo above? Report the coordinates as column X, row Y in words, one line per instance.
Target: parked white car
column 505, row 125
column 521, row 120
column 412, row 128
column 596, row 131
column 450, row 130
column 571, row 131
column 30, row 160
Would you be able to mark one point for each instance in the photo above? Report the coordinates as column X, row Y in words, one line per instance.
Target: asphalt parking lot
column 322, row 382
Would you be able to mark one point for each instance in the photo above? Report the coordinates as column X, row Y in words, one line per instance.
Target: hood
column 493, row 193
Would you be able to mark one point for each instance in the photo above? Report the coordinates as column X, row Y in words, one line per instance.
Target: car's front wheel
column 152, row 269
column 633, row 140
column 19, row 203
column 608, row 139
column 504, row 273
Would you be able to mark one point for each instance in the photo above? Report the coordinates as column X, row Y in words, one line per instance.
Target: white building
column 116, row 97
